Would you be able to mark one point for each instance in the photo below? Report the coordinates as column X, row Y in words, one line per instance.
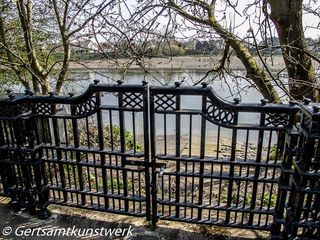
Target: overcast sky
column 310, row 21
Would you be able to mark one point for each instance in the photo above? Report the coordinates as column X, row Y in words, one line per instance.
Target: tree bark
column 287, row 17
column 38, row 74
column 62, row 22
column 10, row 58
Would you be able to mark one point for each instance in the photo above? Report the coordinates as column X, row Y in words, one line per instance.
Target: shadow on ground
column 67, row 217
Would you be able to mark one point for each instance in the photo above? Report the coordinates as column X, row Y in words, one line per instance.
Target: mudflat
column 175, row 63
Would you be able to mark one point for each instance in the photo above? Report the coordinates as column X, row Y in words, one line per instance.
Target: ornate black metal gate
column 229, row 164
column 227, row 172
column 91, row 154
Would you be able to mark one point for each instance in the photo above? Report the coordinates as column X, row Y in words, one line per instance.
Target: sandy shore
column 175, row 63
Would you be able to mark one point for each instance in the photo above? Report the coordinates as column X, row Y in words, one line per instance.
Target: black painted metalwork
column 225, row 174
column 303, row 207
column 81, row 152
column 176, row 153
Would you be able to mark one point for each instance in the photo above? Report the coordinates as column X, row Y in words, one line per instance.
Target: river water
column 226, row 87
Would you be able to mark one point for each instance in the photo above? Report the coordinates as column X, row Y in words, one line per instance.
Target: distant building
column 270, row 45
column 84, row 46
column 209, row 46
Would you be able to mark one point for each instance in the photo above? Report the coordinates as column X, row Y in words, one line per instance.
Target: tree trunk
column 45, row 85
column 62, row 22
column 35, row 84
column 287, row 17
column 25, row 16
column 10, row 57
column 65, row 65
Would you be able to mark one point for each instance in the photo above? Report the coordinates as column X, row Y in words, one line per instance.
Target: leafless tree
column 275, row 18
column 36, row 38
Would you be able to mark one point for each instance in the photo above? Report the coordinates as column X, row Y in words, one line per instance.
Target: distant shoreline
column 174, row 63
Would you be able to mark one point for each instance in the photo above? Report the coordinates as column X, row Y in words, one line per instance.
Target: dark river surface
column 226, row 88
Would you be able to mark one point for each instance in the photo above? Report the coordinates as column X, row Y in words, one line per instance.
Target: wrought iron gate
column 227, row 172
column 175, row 153
column 92, row 155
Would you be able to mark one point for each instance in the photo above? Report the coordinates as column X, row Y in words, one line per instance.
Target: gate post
column 6, row 178
column 284, row 183
column 34, row 159
column 303, row 208
column 147, row 147
column 15, row 170
column 22, row 170
column 291, row 137
column 154, row 190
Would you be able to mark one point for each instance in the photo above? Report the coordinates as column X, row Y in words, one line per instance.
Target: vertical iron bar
column 257, row 169
column 153, row 162
column 165, row 133
column 231, row 172
column 59, row 152
column 190, row 136
column 123, row 151
column 18, row 136
column 146, row 150
column 290, row 143
column 6, row 174
column 78, row 154
column 301, row 181
column 247, row 174
column 202, row 154
column 101, row 148
column 6, row 133
column 111, row 131
column 178, row 153
column 40, row 175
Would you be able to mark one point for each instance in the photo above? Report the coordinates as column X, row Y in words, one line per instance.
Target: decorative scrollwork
column 14, row 110
column 86, row 108
column 133, row 100
column 165, row 102
column 5, row 110
column 23, row 108
column 307, row 122
column 277, row 119
column 219, row 115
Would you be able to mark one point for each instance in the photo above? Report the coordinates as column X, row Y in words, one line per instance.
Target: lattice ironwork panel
column 42, row 108
column 165, row 102
column 277, row 119
column 133, row 100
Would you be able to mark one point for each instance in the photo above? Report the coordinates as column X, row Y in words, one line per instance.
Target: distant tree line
column 188, row 47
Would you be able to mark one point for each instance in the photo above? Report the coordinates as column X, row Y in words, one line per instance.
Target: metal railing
column 176, row 153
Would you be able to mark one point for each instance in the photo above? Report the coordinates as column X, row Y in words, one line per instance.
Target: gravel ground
column 67, row 217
